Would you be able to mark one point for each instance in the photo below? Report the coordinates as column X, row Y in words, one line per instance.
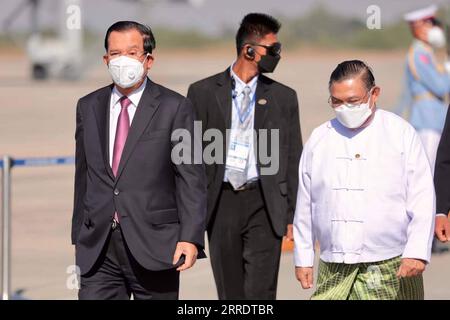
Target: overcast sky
column 210, row 17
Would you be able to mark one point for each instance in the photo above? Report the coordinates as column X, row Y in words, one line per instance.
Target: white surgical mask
column 353, row 116
column 126, row 71
column 436, row 37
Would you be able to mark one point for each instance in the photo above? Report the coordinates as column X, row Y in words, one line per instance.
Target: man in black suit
column 442, row 184
column 138, row 217
column 251, row 200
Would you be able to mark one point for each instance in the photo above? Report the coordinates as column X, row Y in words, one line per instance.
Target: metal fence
column 6, row 165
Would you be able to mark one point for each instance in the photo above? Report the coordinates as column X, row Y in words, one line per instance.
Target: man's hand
column 190, row 252
column 305, row 276
column 442, row 228
column 290, row 232
column 411, row 267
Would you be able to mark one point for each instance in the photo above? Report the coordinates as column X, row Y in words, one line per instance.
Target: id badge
column 238, row 152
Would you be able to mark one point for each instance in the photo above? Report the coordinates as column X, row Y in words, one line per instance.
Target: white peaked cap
column 421, row 14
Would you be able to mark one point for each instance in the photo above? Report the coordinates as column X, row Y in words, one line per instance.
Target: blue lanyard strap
column 243, row 117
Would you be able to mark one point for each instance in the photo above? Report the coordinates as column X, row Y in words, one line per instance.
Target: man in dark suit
column 250, row 208
column 442, row 184
column 138, row 217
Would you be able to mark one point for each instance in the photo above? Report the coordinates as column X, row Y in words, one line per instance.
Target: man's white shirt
column 366, row 195
column 114, row 112
column 252, row 172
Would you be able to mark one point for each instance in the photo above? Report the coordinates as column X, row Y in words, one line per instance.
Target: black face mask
column 268, row 63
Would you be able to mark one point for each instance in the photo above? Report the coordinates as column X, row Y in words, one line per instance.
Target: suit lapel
column 262, row 102
column 144, row 112
column 223, row 96
column 101, row 110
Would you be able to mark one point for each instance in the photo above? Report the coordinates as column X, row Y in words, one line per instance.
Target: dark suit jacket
column 211, row 98
column 442, row 170
column 159, row 203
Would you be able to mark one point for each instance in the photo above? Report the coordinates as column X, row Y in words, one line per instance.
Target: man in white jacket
column 366, row 195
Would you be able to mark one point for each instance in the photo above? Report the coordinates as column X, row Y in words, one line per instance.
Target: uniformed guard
column 427, row 82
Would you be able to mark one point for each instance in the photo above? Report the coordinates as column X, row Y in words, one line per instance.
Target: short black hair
column 145, row 31
column 351, row 69
column 255, row 26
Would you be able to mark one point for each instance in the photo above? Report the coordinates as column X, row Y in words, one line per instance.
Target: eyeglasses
column 273, row 49
column 333, row 102
column 131, row 54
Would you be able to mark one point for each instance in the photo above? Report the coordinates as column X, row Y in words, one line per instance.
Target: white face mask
column 436, row 37
column 126, row 71
column 353, row 116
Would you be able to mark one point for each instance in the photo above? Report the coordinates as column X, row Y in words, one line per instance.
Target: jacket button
column 116, row 192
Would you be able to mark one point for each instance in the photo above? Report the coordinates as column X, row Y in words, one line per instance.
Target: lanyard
column 244, row 116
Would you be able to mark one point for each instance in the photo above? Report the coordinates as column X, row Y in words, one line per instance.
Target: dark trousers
column 244, row 250
column 117, row 275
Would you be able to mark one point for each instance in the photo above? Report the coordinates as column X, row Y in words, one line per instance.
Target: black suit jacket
column 442, row 170
column 211, row 98
column 159, row 203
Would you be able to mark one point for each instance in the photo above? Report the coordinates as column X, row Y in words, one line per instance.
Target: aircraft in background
column 61, row 56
